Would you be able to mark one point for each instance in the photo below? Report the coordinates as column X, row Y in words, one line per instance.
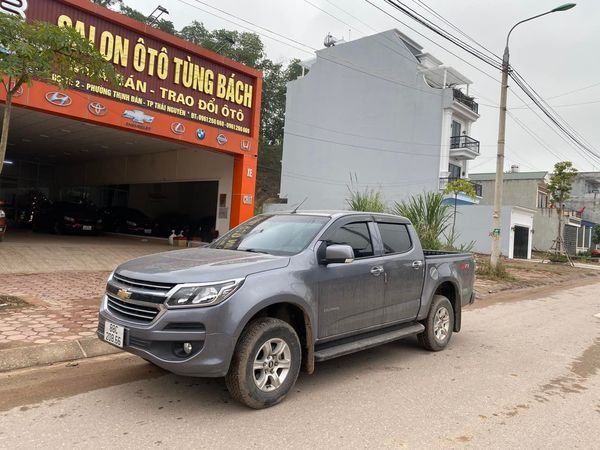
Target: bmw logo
column 200, row 133
column 222, row 139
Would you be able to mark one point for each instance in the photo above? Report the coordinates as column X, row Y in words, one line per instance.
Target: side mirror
column 337, row 253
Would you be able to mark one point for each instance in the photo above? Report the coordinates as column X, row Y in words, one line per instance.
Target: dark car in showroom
column 126, row 220
column 68, row 218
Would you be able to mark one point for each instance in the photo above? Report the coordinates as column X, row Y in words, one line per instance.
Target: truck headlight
column 198, row 295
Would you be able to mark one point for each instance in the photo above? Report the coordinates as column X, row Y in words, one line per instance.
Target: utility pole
column 497, row 214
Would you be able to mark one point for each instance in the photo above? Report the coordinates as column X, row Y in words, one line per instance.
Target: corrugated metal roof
column 508, row 176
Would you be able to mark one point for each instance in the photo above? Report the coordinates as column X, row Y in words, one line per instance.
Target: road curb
column 42, row 354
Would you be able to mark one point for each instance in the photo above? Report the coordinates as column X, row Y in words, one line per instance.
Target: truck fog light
column 187, row 348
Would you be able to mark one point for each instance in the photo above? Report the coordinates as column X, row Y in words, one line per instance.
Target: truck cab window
column 357, row 236
column 395, row 237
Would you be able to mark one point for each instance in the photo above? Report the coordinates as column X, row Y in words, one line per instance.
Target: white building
column 380, row 109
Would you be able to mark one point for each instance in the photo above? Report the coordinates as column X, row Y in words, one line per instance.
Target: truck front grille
column 131, row 311
column 143, row 298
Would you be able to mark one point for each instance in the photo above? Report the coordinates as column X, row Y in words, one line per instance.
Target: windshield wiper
column 253, row 250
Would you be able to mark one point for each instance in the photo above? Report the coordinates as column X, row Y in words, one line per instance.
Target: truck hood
column 199, row 265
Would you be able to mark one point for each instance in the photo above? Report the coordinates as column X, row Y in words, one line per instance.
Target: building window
column 542, row 199
column 454, row 170
column 456, row 128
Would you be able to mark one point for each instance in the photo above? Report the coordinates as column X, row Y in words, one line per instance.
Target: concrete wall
column 474, row 224
column 585, row 192
column 516, row 192
column 545, row 224
column 164, row 167
column 362, row 109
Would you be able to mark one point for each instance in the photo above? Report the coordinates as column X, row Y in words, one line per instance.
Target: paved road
column 522, row 374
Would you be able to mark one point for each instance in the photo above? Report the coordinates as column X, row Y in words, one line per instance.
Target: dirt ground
column 529, row 274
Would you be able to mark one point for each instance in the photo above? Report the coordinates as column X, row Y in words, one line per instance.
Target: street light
column 501, row 133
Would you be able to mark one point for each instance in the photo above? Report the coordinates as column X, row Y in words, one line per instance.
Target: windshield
column 277, row 235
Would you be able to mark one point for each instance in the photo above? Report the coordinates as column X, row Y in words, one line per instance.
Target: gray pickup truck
column 281, row 292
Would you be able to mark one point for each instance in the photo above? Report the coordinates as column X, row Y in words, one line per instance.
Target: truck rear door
column 404, row 267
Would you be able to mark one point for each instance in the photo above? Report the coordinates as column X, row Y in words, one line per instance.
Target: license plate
column 113, row 333
column 148, row 231
column 87, row 228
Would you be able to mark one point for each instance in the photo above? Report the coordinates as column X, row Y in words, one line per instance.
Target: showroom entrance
column 173, row 147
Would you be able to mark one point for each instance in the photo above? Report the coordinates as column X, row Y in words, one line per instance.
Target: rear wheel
column 265, row 364
column 438, row 325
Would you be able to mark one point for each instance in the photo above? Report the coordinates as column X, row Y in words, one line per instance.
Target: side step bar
column 368, row 342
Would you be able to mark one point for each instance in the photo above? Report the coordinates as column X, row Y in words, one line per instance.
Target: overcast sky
column 556, row 54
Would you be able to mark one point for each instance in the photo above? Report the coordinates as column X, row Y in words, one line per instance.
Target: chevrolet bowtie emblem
column 123, row 294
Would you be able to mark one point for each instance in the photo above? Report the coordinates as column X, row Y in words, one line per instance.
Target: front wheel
column 438, row 325
column 265, row 364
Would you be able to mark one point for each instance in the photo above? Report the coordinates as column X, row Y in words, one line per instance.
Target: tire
column 273, row 348
column 438, row 325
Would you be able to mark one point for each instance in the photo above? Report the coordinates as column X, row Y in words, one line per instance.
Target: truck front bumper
column 162, row 340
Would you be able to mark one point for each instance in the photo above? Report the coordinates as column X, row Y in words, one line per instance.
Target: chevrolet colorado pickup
column 281, row 292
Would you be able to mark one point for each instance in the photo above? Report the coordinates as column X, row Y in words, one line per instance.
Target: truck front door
column 351, row 294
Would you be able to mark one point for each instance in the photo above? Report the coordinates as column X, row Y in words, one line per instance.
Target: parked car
column 67, row 217
column 283, row 291
column 126, row 220
column 595, row 252
column 3, row 222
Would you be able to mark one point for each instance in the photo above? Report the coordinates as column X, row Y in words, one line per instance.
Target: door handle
column 417, row 264
column 377, row 270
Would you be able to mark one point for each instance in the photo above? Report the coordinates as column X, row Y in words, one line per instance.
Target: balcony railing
column 478, row 187
column 464, row 142
column 463, row 98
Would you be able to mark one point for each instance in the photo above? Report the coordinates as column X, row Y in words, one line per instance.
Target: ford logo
column 200, row 133
column 97, row 109
column 222, row 139
column 58, row 99
column 177, row 128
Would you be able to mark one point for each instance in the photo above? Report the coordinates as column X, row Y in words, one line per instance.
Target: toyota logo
column 97, row 109
column 58, row 99
column 177, row 128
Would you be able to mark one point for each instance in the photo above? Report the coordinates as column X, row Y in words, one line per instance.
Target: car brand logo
column 221, row 139
column 97, row 109
column 245, row 145
column 200, row 133
column 177, row 128
column 138, row 116
column 58, row 99
column 123, row 294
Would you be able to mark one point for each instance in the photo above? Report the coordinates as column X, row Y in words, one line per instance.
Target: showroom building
column 180, row 134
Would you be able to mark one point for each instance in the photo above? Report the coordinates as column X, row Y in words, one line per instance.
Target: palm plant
column 366, row 200
column 429, row 215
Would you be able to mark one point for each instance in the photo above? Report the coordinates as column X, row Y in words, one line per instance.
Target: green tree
column 429, row 215
column 559, row 188
column 596, row 234
column 455, row 187
column 162, row 24
column 107, row 3
column 46, row 52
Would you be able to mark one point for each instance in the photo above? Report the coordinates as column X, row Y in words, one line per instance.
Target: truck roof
column 334, row 214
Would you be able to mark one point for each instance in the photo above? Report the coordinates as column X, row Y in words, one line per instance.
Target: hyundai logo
column 177, row 128
column 97, row 109
column 138, row 116
column 200, row 133
column 221, row 139
column 58, row 99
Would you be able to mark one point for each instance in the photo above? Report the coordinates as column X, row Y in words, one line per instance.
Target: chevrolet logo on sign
column 123, row 294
